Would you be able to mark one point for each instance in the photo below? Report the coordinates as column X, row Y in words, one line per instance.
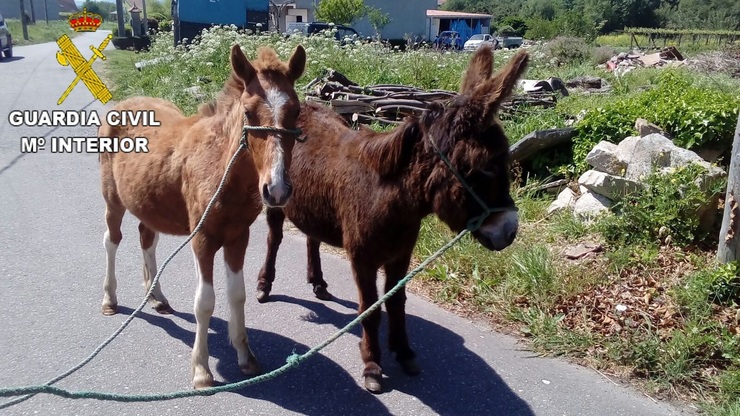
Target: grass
column 660, row 315
column 40, row 32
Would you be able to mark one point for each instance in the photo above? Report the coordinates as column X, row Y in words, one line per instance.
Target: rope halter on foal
column 297, row 132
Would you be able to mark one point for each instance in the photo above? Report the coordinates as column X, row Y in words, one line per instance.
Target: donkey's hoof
column 322, row 293
column 251, row 368
column 109, row 310
column 373, row 383
column 409, row 367
column 263, row 296
column 163, row 308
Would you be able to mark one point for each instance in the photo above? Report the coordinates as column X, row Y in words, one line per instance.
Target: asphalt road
column 52, row 263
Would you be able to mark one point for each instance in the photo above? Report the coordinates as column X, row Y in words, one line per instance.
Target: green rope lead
column 292, row 361
column 242, row 145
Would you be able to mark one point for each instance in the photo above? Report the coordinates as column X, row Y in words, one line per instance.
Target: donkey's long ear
column 297, row 63
column 479, row 69
column 504, row 81
column 243, row 70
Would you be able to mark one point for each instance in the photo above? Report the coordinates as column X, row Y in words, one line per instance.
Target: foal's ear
column 297, row 63
column 479, row 69
column 241, row 66
column 504, row 81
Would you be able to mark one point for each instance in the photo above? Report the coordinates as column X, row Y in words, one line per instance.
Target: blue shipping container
column 190, row 17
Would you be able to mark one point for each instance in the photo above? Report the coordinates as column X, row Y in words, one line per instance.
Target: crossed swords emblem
column 70, row 56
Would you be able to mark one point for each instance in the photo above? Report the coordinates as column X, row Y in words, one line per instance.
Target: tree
column 341, row 12
column 378, row 19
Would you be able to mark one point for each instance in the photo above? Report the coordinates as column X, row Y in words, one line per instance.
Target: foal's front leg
column 234, row 259
column 205, row 301
column 365, row 277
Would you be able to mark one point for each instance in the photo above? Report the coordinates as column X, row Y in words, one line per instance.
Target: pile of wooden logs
column 391, row 103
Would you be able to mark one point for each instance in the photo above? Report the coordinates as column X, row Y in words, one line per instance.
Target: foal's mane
column 266, row 62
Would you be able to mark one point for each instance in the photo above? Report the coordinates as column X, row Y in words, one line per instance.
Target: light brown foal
column 168, row 188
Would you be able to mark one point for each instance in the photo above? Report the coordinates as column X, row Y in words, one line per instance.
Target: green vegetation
column 340, row 12
column 39, row 32
column 546, row 19
column 654, row 309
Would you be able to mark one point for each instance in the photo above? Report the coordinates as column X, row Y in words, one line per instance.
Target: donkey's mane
column 388, row 153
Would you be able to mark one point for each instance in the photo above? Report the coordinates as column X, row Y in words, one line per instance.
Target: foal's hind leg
column 398, row 340
column 234, row 259
column 149, row 239
column 365, row 277
column 275, row 219
column 113, row 218
column 315, row 276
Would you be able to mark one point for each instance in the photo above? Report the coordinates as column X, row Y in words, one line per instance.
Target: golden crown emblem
column 85, row 22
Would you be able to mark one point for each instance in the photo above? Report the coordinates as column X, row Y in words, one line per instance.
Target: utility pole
column 23, row 21
column 46, row 12
column 729, row 236
column 119, row 15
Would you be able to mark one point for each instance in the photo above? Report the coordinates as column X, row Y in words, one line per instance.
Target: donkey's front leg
column 204, row 303
column 315, row 276
column 398, row 340
column 365, row 277
column 275, row 220
column 234, row 259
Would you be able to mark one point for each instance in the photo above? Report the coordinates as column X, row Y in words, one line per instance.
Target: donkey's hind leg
column 112, row 238
column 275, row 219
column 149, row 239
column 314, row 274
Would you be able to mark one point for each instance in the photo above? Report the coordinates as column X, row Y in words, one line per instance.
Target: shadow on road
column 454, row 380
column 318, row 386
column 7, row 60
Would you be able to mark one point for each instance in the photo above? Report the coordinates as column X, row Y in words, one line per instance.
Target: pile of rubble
column 620, row 169
column 625, row 62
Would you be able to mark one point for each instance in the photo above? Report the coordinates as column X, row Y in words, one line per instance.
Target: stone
column 603, row 157
column 646, row 128
column 564, row 202
column 611, row 186
column 591, row 205
column 539, row 140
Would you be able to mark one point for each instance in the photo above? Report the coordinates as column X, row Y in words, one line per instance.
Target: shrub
column 693, row 115
column 538, row 28
column 568, row 50
column 667, row 206
column 165, row 25
column 602, row 54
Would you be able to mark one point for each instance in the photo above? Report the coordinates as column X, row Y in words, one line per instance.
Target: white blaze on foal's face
column 278, row 189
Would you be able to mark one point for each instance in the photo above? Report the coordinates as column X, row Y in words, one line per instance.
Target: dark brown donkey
column 368, row 193
column 168, row 188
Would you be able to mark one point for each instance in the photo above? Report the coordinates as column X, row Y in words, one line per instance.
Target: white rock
column 590, row 205
column 611, row 186
column 603, row 157
column 564, row 202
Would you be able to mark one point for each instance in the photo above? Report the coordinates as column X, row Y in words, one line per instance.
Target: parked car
column 449, row 39
column 316, row 27
column 509, row 42
column 6, row 41
column 476, row 41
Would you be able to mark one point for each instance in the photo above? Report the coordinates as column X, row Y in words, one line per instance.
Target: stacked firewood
column 391, row 103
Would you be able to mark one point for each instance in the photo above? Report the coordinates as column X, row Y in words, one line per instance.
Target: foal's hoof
column 409, row 367
column 109, row 310
column 203, row 382
column 163, row 308
column 373, row 383
column 263, row 296
column 321, row 293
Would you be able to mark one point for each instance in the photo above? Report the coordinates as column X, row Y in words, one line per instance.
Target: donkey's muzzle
column 276, row 194
column 500, row 233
